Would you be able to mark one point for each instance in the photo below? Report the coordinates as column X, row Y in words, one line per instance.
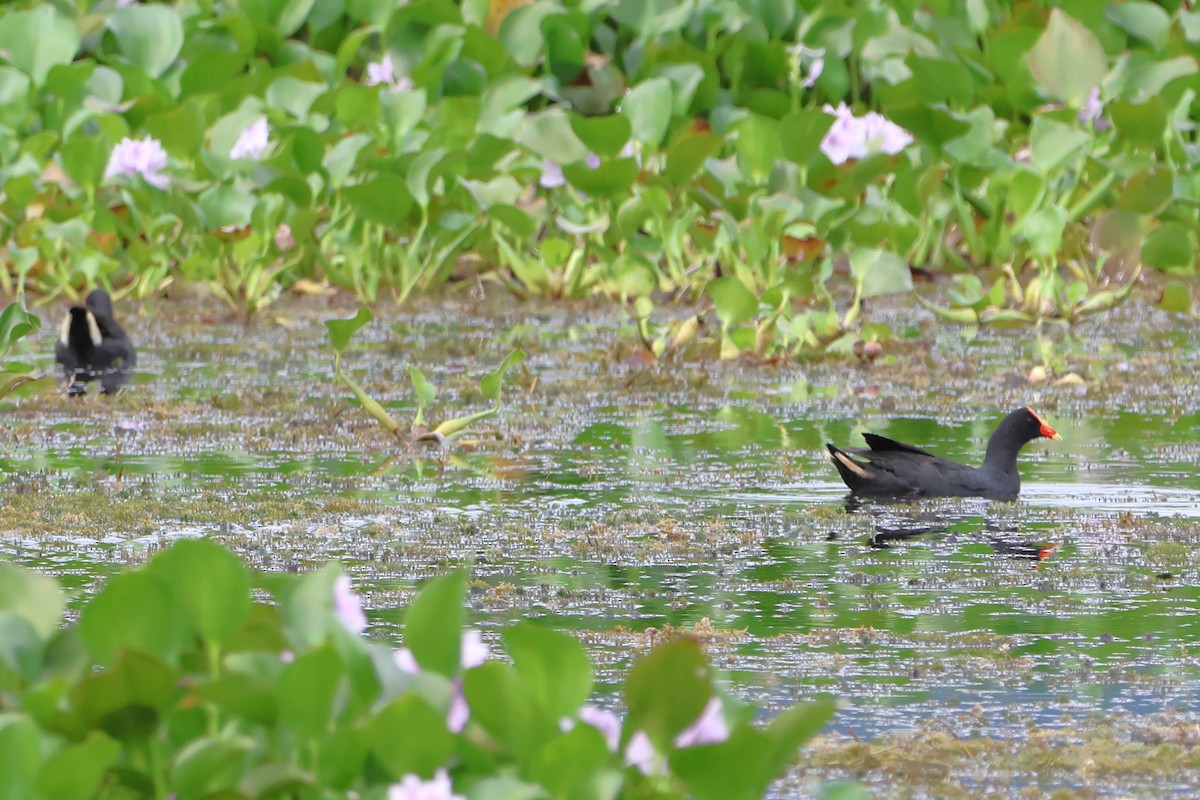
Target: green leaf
column 126, row 701
column 20, row 746
column 383, row 199
column 134, row 609
column 801, row 133
column 433, row 623
column 307, row 689
column 880, row 272
column 34, row 41
column 150, row 36
column 758, row 147
column 667, row 689
column 611, row 178
column 1068, row 60
column 75, row 772
column 1170, row 246
column 341, row 331
column 687, row 155
column 604, row 136
column 1177, row 297
column 14, row 97
column 501, row 703
column 209, row 764
column 426, row 392
column 410, row 735
column 553, row 665
column 1147, row 21
column 735, row 303
column 1149, row 191
column 648, row 108
column 1053, row 144
column 1044, row 229
column 1143, row 124
column 15, row 324
column 211, row 583
column 224, row 205
column 491, row 384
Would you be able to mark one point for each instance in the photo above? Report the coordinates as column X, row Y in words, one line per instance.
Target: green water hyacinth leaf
column 307, row 690
column 880, row 272
column 1053, row 144
column 341, row 331
column 226, row 206
column 758, row 147
column 14, row 96
column 150, row 36
column 384, row 199
column 211, row 584
column 1147, row 21
column 134, row 610
column 648, row 107
column 1170, row 247
column 1068, row 60
column 491, row 384
column 20, row 743
column 426, row 393
column 1176, row 297
column 15, row 324
column 433, row 623
column 36, row 40
column 801, row 132
column 209, row 764
column 553, row 665
column 604, row 136
column 35, row 598
column 75, row 772
column 126, row 701
column 610, row 179
column 667, row 689
column 734, row 303
column 687, row 155
column 410, row 735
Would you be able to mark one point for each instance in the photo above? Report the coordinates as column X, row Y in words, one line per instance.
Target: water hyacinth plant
column 175, row 681
column 603, row 154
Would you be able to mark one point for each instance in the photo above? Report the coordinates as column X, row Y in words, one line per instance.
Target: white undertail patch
column 852, row 465
column 64, row 330
column 94, row 329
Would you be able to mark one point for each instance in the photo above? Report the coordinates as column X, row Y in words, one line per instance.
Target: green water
column 609, row 498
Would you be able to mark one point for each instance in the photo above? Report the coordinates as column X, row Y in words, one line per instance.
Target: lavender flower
column 253, row 141
column 406, row 661
column 852, row 137
column 552, row 175
column 144, row 157
column 814, row 71
column 608, row 723
column 1092, row 108
column 459, row 712
column 383, row 73
column 348, row 605
column 473, row 651
column 411, row 787
column 640, row 753
column 709, row 728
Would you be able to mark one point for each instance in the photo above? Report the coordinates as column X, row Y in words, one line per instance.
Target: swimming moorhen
column 93, row 347
column 889, row 468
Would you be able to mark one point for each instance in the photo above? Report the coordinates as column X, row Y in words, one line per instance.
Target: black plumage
column 92, row 346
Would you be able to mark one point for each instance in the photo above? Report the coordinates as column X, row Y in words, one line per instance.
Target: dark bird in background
column 887, row 468
column 93, row 347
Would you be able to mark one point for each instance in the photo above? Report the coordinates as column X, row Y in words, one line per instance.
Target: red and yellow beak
column 1045, row 430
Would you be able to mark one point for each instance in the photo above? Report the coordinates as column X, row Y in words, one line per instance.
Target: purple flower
column 383, row 73
column 144, row 157
column 1092, row 107
column 640, row 753
column 411, row 787
column 406, row 661
column 284, row 239
column 852, row 137
column 608, row 723
column 709, row 728
column 552, row 175
column 125, row 3
column 473, row 651
column 459, row 712
column 253, row 141
column 348, row 605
